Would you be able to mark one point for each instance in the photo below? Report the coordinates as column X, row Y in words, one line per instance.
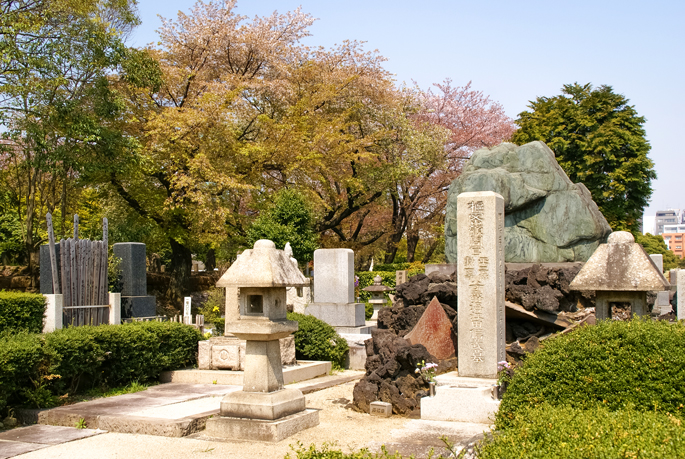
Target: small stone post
column 480, row 222
column 53, row 312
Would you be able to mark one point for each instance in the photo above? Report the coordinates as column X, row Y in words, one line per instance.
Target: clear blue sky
column 514, row 51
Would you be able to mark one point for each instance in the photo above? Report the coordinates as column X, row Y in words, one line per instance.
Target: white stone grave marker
column 480, row 222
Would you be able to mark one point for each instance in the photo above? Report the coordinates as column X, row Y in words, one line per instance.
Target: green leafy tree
column 289, row 220
column 599, row 140
column 59, row 113
column 655, row 245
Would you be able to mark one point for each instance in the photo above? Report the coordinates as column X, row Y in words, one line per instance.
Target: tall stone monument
column 135, row 302
column 481, row 284
column 468, row 395
column 334, row 292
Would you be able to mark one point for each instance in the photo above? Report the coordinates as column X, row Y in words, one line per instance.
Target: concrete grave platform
column 461, row 399
column 170, row 410
column 304, row 370
column 26, row 439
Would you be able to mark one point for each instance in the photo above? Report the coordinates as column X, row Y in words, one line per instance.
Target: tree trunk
column 181, row 263
column 430, row 251
column 412, row 243
column 210, row 260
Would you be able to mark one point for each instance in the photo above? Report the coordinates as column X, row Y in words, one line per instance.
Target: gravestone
column 334, row 276
column 467, row 395
column 658, row 260
column 481, row 283
column 662, row 305
column 46, row 269
column 135, row 301
column 400, row 277
column 334, row 292
column 187, row 304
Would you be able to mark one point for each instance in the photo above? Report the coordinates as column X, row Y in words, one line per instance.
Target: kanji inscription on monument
column 480, row 226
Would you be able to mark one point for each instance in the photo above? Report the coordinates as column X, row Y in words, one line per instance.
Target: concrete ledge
column 305, row 369
column 225, row 428
column 453, row 379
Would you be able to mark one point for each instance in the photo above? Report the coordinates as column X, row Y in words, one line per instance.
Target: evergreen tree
column 290, row 219
column 598, row 140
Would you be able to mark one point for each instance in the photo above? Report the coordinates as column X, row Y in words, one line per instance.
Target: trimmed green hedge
column 21, row 311
column 35, row 369
column 316, row 340
column 638, row 364
column 565, row 432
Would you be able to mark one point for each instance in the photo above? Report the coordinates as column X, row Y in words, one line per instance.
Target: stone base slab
column 138, row 306
column 356, row 357
column 462, row 399
column 339, row 314
column 228, row 353
column 258, row 430
column 268, row 406
column 302, row 371
column 363, row 330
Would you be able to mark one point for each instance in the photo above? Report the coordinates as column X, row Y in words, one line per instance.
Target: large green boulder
column 548, row 218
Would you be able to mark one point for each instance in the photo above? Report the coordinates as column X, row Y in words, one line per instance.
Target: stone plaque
column 480, row 223
column 382, row 409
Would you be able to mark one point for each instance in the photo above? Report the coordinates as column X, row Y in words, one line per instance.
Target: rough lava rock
column 547, row 217
column 390, row 374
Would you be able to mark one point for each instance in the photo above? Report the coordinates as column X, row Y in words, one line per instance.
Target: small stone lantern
column 377, row 291
column 263, row 410
column 620, row 271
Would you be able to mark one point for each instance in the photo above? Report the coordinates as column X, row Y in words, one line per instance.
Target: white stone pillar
column 114, row 308
column 53, row 313
column 681, row 294
column 480, row 226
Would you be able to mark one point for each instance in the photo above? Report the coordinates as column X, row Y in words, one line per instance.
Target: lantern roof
column 377, row 286
column 263, row 266
column 620, row 265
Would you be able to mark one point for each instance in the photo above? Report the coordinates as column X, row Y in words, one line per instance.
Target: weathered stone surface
column 548, row 218
column 620, row 265
column 481, row 329
column 434, row 330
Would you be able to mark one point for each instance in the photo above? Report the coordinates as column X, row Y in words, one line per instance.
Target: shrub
column 215, row 305
column 638, row 364
column 21, row 311
column 34, row 369
column 219, row 327
column 316, row 340
column 391, row 266
column 21, row 357
column 114, row 356
column 549, row 431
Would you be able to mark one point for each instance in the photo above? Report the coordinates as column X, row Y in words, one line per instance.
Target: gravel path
column 339, row 425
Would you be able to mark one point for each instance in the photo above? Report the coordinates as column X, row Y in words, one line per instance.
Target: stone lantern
column 377, row 291
column 620, row 271
column 263, row 410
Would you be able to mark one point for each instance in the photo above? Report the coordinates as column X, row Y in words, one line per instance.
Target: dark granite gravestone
column 135, row 301
column 46, row 269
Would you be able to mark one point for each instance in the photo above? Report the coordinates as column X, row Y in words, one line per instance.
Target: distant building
column 666, row 217
column 674, row 239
